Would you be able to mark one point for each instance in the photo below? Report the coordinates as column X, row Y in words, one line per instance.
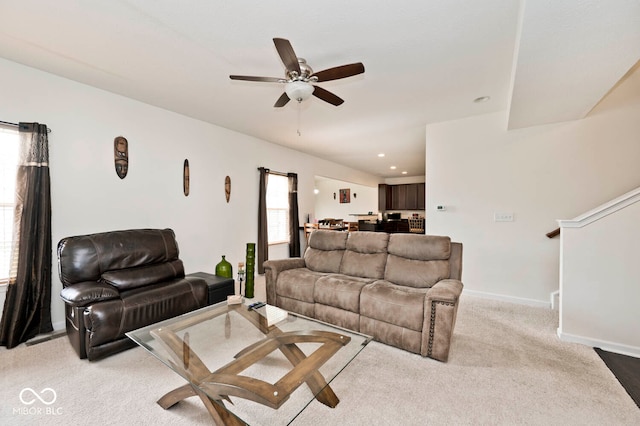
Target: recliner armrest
column 271, row 270
column 441, row 307
column 446, row 290
column 86, row 293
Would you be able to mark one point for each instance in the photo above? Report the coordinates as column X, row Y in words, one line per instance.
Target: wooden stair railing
column 553, row 233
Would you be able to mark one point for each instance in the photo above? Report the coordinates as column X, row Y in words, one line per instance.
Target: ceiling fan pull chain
column 299, row 113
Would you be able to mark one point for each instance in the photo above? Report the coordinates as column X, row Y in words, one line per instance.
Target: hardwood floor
column 627, row 371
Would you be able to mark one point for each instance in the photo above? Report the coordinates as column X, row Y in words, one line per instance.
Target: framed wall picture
column 345, row 195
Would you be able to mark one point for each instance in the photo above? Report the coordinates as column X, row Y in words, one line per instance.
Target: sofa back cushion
column 365, row 255
column 87, row 257
column 417, row 260
column 126, row 279
column 325, row 250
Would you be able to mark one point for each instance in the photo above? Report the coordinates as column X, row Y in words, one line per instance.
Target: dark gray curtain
column 27, row 307
column 263, row 227
column 294, row 225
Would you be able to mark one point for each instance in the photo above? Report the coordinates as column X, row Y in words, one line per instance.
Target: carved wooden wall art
column 227, row 188
column 185, row 177
column 345, row 195
column 121, row 156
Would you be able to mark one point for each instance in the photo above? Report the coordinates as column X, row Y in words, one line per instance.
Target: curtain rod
column 17, row 125
column 273, row 172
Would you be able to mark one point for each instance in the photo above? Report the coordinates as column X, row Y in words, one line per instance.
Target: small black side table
column 219, row 287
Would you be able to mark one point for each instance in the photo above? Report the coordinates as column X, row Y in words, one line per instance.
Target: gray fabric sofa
column 402, row 289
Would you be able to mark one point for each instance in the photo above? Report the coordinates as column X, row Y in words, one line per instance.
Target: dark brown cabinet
column 401, row 197
column 384, row 197
column 421, row 196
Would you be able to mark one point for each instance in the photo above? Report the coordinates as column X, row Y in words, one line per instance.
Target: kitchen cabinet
column 384, row 197
column 401, row 197
column 421, row 196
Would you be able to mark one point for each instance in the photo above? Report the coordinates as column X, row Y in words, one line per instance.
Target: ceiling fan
column 299, row 77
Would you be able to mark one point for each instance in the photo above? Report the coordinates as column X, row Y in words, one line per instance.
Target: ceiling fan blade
column 264, row 79
column 288, row 56
column 326, row 96
column 282, row 101
column 340, row 72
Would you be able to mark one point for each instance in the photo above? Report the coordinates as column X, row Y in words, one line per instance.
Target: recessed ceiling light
column 393, row 167
column 404, row 172
column 381, row 155
column 481, row 99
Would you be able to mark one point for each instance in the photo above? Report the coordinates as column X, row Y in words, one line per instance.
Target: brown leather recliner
column 115, row 282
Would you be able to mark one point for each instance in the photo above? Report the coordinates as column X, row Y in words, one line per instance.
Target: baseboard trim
column 605, row 345
column 505, row 298
column 59, row 325
column 45, row 337
column 554, row 297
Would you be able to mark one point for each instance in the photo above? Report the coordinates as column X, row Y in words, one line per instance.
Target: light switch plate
column 503, row 217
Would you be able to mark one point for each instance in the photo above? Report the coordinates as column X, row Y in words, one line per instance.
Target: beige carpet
column 506, row 367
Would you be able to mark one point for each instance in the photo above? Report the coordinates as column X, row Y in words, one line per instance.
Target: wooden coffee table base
column 218, row 412
column 215, row 387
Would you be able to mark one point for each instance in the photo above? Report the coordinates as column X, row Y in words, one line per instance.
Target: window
column 278, row 209
column 8, row 163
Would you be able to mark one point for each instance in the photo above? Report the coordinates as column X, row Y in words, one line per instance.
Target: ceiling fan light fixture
column 298, row 90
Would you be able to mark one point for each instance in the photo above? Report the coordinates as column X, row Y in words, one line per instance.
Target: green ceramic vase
column 224, row 269
column 250, row 263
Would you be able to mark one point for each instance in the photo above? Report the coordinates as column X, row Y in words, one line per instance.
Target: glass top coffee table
column 248, row 366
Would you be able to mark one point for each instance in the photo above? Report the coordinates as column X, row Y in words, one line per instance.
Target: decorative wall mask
column 121, row 156
column 185, row 177
column 227, row 188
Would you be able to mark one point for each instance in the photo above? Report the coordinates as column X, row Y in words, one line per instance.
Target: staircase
column 599, row 279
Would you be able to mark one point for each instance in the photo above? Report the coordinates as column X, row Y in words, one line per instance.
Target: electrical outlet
column 503, row 217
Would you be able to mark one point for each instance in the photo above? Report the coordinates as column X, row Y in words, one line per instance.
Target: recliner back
column 366, row 254
column 325, row 250
column 418, row 260
column 87, row 257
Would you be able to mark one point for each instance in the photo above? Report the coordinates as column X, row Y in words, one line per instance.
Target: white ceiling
column 426, row 61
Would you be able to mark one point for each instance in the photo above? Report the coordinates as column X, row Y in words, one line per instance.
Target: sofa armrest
column 445, row 291
column 86, row 293
column 440, row 310
column 271, row 270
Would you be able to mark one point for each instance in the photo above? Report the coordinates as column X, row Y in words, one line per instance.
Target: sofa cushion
column 393, row 304
column 417, row 260
column 323, row 239
column 420, row 247
column 297, row 284
column 366, row 255
column 340, row 291
column 325, row 250
column 415, row 273
column 126, row 279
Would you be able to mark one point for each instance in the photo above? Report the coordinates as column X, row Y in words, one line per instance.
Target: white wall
column 476, row 167
column 599, row 283
column 87, row 195
column 325, row 206
column 404, row 179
